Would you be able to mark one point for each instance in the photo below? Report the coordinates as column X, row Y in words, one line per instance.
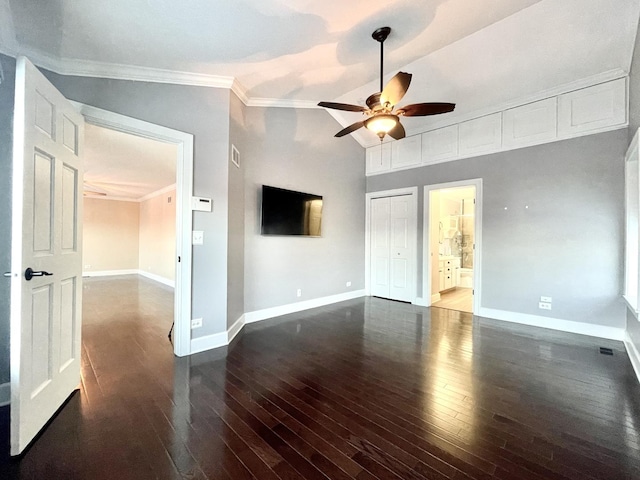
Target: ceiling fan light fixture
column 381, row 124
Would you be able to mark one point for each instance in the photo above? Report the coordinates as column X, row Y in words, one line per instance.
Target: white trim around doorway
column 477, row 255
column 413, row 192
column 184, row 218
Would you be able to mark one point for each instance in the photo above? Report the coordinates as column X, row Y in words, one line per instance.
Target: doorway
column 391, row 240
column 183, row 148
column 452, row 233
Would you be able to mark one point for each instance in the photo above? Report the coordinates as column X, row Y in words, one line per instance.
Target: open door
column 46, row 254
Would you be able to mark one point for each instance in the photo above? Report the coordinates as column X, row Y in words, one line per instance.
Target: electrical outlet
column 299, row 292
column 546, row 299
column 197, row 237
column 196, row 323
column 544, row 305
column 348, row 284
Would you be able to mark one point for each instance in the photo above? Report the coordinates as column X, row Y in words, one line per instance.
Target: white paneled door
column 393, row 247
column 46, row 284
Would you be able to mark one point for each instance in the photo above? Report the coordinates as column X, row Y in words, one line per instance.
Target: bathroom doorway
column 451, row 263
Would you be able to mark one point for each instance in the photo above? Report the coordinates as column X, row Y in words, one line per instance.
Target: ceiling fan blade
column 424, row 109
column 397, row 132
column 396, row 88
column 343, row 106
column 349, row 129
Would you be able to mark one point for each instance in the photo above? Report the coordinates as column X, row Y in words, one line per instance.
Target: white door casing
column 391, row 244
column 46, row 312
column 430, row 263
column 184, row 217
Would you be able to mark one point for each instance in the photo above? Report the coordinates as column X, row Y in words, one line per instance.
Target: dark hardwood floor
column 364, row 389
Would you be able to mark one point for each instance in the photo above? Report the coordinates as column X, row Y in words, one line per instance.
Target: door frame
column 184, row 217
column 427, row 263
column 408, row 191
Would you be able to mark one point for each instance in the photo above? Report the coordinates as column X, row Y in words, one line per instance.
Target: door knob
column 29, row 273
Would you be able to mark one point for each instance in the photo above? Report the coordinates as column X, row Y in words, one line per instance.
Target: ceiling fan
column 381, row 119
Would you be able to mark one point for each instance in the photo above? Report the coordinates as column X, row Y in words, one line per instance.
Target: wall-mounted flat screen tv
column 285, row 212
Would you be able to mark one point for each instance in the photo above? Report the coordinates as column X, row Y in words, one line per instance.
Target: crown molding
column 281, row 103
column 149, row 196
column 240, row 91
column 114, row 71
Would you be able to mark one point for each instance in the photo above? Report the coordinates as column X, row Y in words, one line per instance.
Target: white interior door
column 380, row 232
column 401, row 253
column 393, row 239
column 46, row 308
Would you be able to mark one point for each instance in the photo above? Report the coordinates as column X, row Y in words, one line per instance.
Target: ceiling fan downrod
column 380, row 35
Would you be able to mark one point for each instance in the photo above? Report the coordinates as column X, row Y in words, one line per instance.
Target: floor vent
column 606, row 351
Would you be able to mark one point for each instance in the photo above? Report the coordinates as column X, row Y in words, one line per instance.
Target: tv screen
column 285, row 212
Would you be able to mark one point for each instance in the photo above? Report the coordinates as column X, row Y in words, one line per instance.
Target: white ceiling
column 297, row 52
column 125, row 166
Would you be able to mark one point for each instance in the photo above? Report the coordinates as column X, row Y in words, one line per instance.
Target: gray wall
column 6, row 144
column 203, row 112
column 568, row 244
column 235, row 272
column 633, row 325
column 296, row 150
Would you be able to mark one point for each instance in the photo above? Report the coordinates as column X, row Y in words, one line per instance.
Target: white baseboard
column 111, row 273
column 601, row 331
column 208, row 342
column 258, row 315
column 235, row 329
column 216, row 340
column 435, row 298
column 158, row 278
column 5, row 394
column 633, row 353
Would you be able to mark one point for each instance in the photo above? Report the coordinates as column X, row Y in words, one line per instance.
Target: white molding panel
column 378, row 158
column 594, row 108
column 530, row 124
column 634, row 355
column 440, row 145
column 480, row 135
column 406, row 152
column 590, row 329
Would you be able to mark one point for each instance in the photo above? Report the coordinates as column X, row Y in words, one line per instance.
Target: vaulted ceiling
column 297, row 52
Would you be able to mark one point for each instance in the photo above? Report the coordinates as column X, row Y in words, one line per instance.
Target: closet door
column 380, row 246
column 400, row 253
column 392, row 252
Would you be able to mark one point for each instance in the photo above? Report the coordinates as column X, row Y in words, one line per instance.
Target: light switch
column 197, row 237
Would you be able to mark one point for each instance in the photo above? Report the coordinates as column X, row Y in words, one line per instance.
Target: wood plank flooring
column 459, row 298
column 365, row 389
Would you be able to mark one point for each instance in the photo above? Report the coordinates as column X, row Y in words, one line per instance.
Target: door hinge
column 178, row 258
column 473, row 292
